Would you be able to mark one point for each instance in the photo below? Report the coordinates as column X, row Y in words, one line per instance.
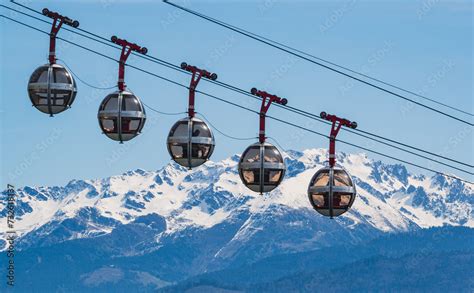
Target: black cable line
column 344, row 142
column 247, row 109
column 348, row 143
column 336, row 65
column 84, row 82
column 241, row 91
column 410, row 152
column 324, row 66
column 224, row 134
column 98, row 38
column 161, row 112
column 355, row 131
column 277, row 143
column 369, row 150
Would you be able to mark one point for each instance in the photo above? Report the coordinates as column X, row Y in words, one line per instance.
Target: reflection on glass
column 179, row 150
column 180, row 129
column 319, row 199
column 108, row 125
column 200, row 129
column 252, row 155
column 272, row 155
column 60, row 75
column 130, row 103
column 111, row 104
column 40, row 75
column 341, row 178
column 55, row 94
column 249, row 176
column 200, row 151
column 43, row 77
column 341, row 200
column 322, row 179
column 130, row 125
column 271, row 176
column 134, row 124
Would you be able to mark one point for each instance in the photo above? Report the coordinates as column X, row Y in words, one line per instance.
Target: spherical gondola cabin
column 121, row 116
column 261, row 167
column 331, row 191
column 190, row 142
column 52, row 89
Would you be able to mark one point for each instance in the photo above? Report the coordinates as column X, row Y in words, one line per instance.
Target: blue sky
column 425, row 46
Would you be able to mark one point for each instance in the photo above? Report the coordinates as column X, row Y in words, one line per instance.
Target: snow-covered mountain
column 389, row 200
column 158, row 228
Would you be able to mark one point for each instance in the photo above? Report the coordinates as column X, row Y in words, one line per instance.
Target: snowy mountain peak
column 389, row 199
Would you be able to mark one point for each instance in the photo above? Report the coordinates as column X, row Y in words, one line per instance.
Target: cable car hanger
column 267, row 100
column 336, row 126
column 190, row 141
column 121, row 114
column 58, row 21
column 127, row 48
column 51, row 87
column 261, row 166
column 197, row 73
column 331, row 190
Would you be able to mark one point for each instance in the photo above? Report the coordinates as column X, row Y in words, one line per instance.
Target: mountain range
column 176, row 229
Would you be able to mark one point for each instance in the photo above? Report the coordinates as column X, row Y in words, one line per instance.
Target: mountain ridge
column 163, row 227
column 390, row 199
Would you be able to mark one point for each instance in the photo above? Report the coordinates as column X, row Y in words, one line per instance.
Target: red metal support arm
column 197, row 73
column 335, row 127
column 267, row 100
column 58, row 21
column 127, row 49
